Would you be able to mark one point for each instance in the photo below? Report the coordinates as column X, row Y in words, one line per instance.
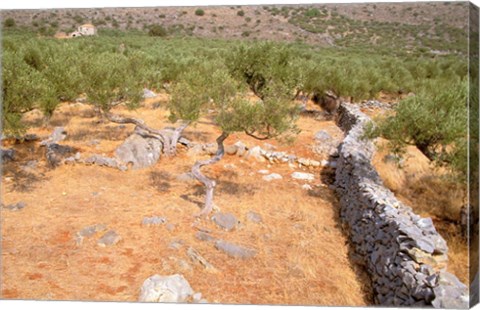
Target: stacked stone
column 403, row 253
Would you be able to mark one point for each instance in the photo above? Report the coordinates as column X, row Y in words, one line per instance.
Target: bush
column 241, row 13
column 157, row 31
column 9, row 23
column 435, row 121
column 312, row 12
column 199, row 12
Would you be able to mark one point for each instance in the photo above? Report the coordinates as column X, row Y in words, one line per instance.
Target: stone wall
column 403, row 253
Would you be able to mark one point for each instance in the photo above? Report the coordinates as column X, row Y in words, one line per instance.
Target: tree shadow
column 160, row 180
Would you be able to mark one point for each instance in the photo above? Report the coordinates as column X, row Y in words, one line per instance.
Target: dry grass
column 430, row 193
column 302, row 254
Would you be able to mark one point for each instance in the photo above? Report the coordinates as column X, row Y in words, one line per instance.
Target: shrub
column 199, row 12
column 9, row 23
column 157, row 31
column 435, row 121
column 241, row 13
column 313, row 12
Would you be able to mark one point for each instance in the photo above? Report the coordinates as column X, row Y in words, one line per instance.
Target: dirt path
column 302, row 254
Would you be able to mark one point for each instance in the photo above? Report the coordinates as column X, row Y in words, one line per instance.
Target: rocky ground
column 81, row 231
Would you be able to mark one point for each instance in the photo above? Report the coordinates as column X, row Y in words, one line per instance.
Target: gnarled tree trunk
column 169, row 142
column 209, row 184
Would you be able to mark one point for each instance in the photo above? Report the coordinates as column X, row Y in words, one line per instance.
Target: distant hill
column 438, row 27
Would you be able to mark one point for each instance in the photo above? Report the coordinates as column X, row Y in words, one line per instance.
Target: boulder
column 140, row 150
column 172, row 288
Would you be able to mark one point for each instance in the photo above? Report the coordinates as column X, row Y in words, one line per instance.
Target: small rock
column 57, row 135
column 263, row 171
column 93, row 142
column 203, row 236
column 226, row 221
column 16, row 206
column 307, row 187
column 197, row 297
column 195, row 150
column 303, row 176
column 148, row 94
column 231, row 149
column 91, row 230
column 109, row 238
column 241, row 148
column 165, row 289
column 234, row 250
column 170, row 226
column 323, row 136
column 273, row 176
column 176, row 245
column 254, row 217
column 154, row 220
column 256, row 153
column 7, row 154
column 230, row 166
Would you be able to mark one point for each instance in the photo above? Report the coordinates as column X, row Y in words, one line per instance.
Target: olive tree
column 216, row 90
column 435, row 121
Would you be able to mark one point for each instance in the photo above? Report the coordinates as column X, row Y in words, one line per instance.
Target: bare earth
column 302, row 254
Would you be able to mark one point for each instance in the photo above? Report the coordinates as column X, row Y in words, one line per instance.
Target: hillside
column 426, row 27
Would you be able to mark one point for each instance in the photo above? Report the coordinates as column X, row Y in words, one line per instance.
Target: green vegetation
column 241, row 13
column 199, row 12
column 40, row 72
column 435, row 121
column 9, row 22
column 157, row 31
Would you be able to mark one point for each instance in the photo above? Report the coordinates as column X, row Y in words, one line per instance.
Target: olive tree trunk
column 169, row 141
column 209, row 184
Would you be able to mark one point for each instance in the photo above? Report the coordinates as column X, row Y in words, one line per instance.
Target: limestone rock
column 226, row 221
column 172, row 288
column 271, row 177
column 255, row 153
column 56, row 153
column 154, row 220
column 109, row 238
column 148, row 93
column 231, row 149
column 254, row 217
column 139, row 149
column 234, row 250
column 15, row 207
column 303, row 176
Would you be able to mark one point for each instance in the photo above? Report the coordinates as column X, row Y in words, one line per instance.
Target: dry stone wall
column 403, row 253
